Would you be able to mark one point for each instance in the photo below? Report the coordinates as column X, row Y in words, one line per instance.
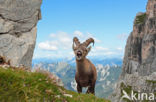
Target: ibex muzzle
column 86, row 74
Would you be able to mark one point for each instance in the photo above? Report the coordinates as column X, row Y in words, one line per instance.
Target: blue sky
column 109, row 22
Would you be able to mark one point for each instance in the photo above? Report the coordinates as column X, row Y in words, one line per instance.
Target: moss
column 127, row 89
column 21, row 86
column 140, row 19
column 151, row 81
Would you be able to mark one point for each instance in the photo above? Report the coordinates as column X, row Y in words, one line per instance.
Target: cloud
column 58, row 41
column 59, row 45
column 100, row 48
column 83, row 37
column 47, row 46
column 120, row 48
column 101, row 51
column 78, row 34
column 122, row 36
column 52, row 35
column 89, row 35
column 62, row 40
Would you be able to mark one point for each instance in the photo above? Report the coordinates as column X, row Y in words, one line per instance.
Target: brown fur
column 86, row 74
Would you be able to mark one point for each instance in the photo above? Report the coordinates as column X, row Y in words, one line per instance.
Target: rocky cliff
column 139, row 65
column 18, row 20
column 140, row 54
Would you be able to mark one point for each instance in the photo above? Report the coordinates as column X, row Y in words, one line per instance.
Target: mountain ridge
column 107, row 74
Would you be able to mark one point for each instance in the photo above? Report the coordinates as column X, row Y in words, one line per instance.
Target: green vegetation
column 140, row 19
column 17, row 85
column 127, row 89
column 151, row 81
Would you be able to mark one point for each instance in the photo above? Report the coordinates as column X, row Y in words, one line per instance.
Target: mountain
column 71, row 61
column 139, row 64
column 65, row 70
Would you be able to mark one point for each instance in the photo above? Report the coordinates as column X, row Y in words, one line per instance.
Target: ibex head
column 81, row 49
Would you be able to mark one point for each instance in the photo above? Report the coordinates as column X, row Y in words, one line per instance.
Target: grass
column 140, row 19
column 21, row 86
column 151, row 81
column 127, row 89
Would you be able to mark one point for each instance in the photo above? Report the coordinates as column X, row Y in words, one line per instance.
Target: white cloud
column 106, row 52
column 58, row 41
column 89, row 35
column 120, row 48
column 83, row 37
column 47, row 46
column 101, row 51
column 110, row 53
column 97, row 40
column 63, row 40
column 78, row 34
column 100, row 48
column 60, row 45
column 52, row 35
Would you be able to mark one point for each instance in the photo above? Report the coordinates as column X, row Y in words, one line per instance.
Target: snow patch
column 73, row 85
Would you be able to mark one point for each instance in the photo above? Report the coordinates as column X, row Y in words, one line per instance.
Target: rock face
column 140, row 54
column 18, row 20
column 139, row 63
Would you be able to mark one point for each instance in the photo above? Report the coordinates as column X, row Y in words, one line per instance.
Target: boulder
column 18, row 20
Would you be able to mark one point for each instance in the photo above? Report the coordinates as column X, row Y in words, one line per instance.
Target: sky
column 109, row 22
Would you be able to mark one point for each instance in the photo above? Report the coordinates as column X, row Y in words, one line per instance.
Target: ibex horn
column 87, row 42
column 76, row 40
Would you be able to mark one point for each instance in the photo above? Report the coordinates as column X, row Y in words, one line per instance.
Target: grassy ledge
column 17, row 85
column 127, row 89
column 151, row 81
column 140, row 19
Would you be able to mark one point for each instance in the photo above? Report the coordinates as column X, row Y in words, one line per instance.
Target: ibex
column 86, row 74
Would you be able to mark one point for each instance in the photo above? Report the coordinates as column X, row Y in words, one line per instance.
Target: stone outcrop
column 139, row 64
column 140, row 52
column 18, row 20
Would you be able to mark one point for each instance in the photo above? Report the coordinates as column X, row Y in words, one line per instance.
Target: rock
column 151, row 8
column 139, row 64
column 140, row 52
column 68, row 95
column 55, row 79
column 18, row 20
